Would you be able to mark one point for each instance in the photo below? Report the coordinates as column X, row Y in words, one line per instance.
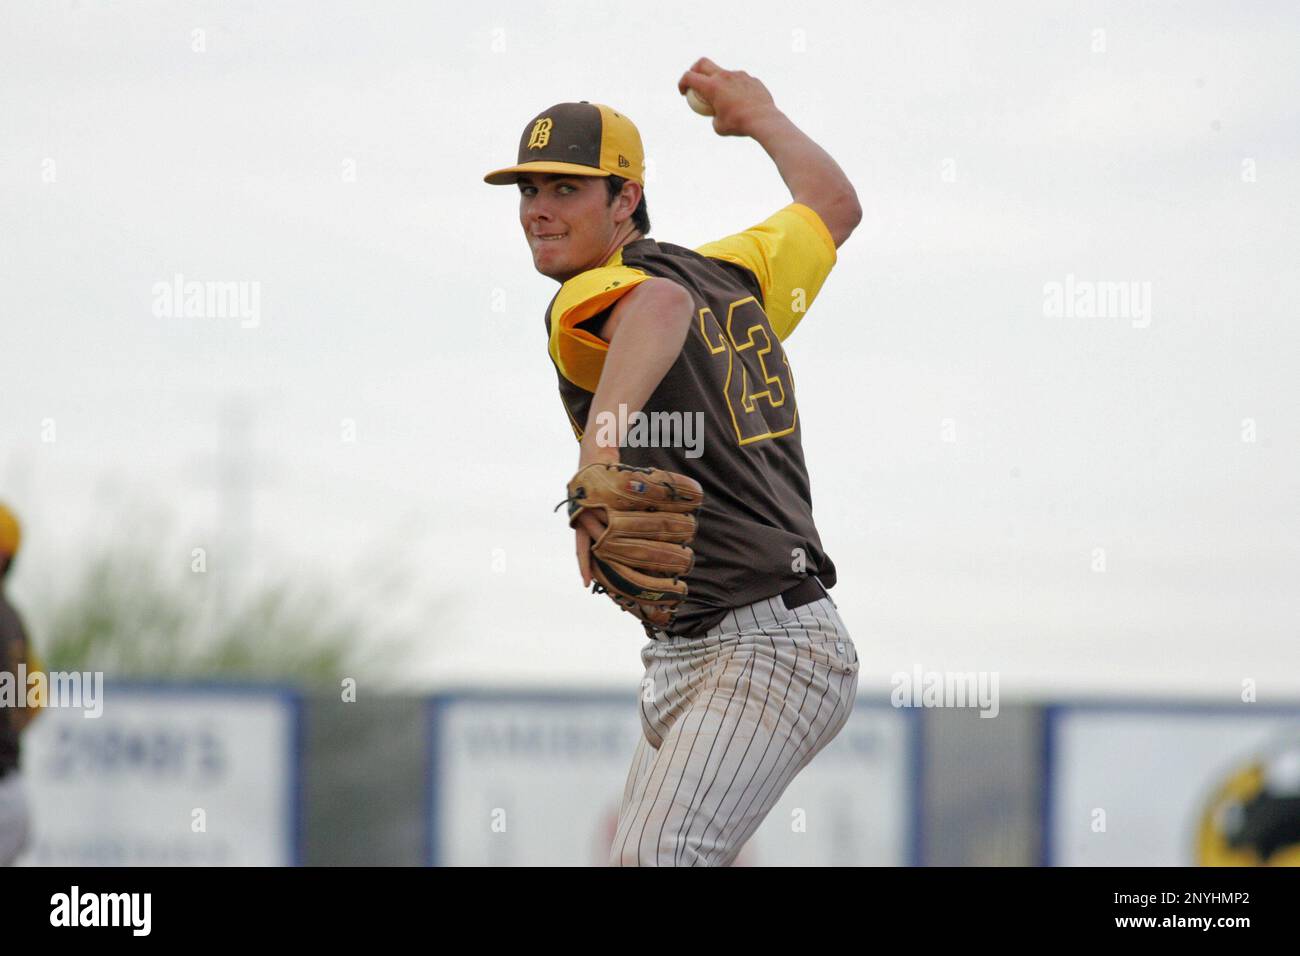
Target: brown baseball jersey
column 726, row 412
column 13, row 651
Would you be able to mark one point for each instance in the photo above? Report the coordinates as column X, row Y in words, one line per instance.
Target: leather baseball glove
column 644, row 551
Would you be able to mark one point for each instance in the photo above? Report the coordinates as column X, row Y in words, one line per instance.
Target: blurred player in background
column 14, row 650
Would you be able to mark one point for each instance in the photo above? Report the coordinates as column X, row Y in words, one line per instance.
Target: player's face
column 573, row 209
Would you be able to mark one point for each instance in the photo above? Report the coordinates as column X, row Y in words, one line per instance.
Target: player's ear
column 629, row 198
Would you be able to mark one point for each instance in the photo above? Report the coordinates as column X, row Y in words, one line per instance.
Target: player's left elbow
column 666, row 303
column 678, row 304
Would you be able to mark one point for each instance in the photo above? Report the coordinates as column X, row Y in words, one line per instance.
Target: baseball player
column 749, row 669
column 14, row 649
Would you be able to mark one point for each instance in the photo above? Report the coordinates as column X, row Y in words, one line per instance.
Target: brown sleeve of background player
column 15, row 649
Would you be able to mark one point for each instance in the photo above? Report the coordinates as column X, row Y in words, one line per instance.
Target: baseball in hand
column 698, row 103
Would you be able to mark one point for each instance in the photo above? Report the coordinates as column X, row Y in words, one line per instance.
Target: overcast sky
column 332, row 153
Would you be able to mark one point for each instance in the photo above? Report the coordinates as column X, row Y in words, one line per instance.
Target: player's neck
column 632, row 235
column 617, row 244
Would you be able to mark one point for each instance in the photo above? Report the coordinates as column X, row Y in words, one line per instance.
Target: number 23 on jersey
column 759, row 387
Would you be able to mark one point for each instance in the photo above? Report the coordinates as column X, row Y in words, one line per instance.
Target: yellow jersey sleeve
column 790, row 253
column 577, row 353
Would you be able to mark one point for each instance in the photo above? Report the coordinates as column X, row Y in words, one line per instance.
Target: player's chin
column 551, row 265
column 559, row 275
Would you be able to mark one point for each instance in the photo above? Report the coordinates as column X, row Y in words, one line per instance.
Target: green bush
column 126, row 615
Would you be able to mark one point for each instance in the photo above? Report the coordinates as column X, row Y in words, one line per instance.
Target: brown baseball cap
column 582, row 139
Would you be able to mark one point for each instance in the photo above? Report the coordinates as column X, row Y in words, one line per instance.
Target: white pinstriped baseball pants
column 15, row 820
column 727, row 721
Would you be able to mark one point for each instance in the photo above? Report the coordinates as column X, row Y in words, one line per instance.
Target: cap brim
column 510, row 175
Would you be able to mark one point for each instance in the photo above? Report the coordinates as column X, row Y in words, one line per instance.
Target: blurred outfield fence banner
column 232, row 774
column 171, row 775
column 538, row 779
column 1171, row 785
